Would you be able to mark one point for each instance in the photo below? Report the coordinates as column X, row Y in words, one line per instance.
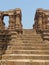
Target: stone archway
column 6, row 21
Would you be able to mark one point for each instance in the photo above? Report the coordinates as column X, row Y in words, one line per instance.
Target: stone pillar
column 2, row 25
column 44, row 22
column 40, row 22
column 18, row 20
column 47, row 22
column 11, row 21
column 36, row 24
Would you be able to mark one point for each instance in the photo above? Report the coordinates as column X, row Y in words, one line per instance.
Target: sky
column 28, row 8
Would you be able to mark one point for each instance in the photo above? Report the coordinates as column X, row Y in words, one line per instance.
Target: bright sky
column 28, row 8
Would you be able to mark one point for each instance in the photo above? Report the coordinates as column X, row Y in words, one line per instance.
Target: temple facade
column 42, row 22
column 41, row 19
column 19, row 46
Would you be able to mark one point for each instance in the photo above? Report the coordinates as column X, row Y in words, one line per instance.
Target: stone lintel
column 8, row 13
column 11, row 12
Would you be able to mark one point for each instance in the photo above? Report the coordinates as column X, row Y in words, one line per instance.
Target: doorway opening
column 6, row 21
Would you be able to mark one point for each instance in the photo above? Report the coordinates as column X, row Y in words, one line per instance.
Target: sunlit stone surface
column 20, row 46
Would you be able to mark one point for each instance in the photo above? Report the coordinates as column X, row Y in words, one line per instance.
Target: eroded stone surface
column 20, row 46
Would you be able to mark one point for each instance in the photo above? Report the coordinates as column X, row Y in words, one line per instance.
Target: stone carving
column 41, row 24
column 14, row 19
column 1, row 21
column 41, row 19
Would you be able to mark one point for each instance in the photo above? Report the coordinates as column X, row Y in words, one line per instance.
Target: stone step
column 46, row 30
column 46, row 37
column 24, row 62
column 25, row 56
column 27, row 51
column 30, row 44
column 31, row 36
column 29, row 47
column 45, row 34
column 26, row 35
column 34, row 43
column 31, row 41
column 28, row 38
column 28, row 31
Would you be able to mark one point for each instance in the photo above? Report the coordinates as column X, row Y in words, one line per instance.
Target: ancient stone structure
column 42, row 22
column 20, row 46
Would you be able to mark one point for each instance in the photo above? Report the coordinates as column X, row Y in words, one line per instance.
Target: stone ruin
column 14, row 19
column 15, row 25
column 41, row 20
column 20, row 46
column 41, row 24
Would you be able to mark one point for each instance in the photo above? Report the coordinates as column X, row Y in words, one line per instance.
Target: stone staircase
column 27, row 49
column 45, row 34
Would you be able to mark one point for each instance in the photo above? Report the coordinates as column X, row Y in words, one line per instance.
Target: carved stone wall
column 41, row 19
column 18, row 19
column 14, row 19
column 2, row 27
